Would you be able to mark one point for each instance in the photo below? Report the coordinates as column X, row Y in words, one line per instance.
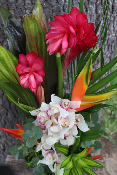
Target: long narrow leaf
column 101, row 83
column 69, row 6
column 81, row 6
column 104, row 70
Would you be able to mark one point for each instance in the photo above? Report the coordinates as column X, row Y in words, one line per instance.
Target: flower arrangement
column 60, row 129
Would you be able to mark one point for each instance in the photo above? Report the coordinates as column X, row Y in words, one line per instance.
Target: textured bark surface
column 19, row 8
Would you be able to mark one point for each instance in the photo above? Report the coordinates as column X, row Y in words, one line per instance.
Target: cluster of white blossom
column 59, row 124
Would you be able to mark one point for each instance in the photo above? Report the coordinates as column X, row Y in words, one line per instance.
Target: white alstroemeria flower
column 49, row 158
column 35, row 112
column 68, row 141
column 81, row 124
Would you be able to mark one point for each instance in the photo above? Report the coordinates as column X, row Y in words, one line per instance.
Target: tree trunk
column 93, row 9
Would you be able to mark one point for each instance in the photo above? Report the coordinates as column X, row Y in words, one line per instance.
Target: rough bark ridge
column 18, row 8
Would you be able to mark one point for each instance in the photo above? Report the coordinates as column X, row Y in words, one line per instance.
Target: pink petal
column 20, row 69
column 31, row 57
column 54, row 47
column 80, row 20
column 65, row 42
column 38, row 79
column 40, row 72
column 71, row 40
column 24, row 80
column 84, row 16
column 72, row 30
column 73, row 13
column 75, row 51
column 80, row 33
column 91, row 41
column 69, row 20
column 62, row 51
column 32, row 82
column 57, row 25
column 60, row 18
column 23, row 60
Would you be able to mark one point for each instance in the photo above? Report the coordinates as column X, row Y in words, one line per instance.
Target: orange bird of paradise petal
column 82, row 81
column 80, row 87
column 15, row 132
column 94, row 157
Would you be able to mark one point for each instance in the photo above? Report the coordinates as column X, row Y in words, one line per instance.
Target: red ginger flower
column 71, row 31
column 31, row 70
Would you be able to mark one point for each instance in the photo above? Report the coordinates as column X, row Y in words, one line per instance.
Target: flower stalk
column 59, row 65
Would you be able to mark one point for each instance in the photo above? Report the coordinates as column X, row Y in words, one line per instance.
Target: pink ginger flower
column 31, row 70
column 71, row 31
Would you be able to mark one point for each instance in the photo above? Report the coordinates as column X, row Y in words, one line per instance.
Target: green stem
column 81, row 6
column 59, row 65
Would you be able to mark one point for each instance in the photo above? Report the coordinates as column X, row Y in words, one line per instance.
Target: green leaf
column 8, row 63
column 17, row 156
column 38, row 170
column 89, row 171
column 96, row 127
column 69, row 165
column 81, row 163
column 13, row 150
column 63, row 149
column 38, row 14
column 67, row 172
column 38, row 132
column 30, row 120
column 104, row 70
column 27, row 135
column 35, row 160
column 28, row 164
column 69, row 6
column 97, row 145
column 25, row 151
column 80, row 155
column 14, row 32
column 81, row 6
column 77, row 143
column 102, row 58
column 91, row 135
column 87, row 143
column 31, row 141
column 101, row 83
column 79, row 170
column 66, row 161
column 74, row 171
column 28, row 126
column 92, row 163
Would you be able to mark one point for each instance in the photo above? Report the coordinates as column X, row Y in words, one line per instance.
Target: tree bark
column 93, row 9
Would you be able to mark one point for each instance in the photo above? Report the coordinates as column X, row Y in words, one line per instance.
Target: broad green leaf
column 112, row 87
column 19, row 95
column 37, row 132
column 8, row 63
column 74, row 171
column 31, row 141
column 66, row 161
column 89, row 171
column 35, row 36
column 30, row 120
column 101, row 83
column 91, row 135
column 92, row 163
column 80, row 155
column 95, row 73
column 63, row 149
column 14, row 32
column 38, row 170
column 77, row 143
column 38, row 14
column 28, row 126
column 35, row 160
column 13, row 150
column 97, row 145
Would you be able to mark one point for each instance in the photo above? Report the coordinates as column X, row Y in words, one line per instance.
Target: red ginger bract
column 31, row 70
column 71, row 31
